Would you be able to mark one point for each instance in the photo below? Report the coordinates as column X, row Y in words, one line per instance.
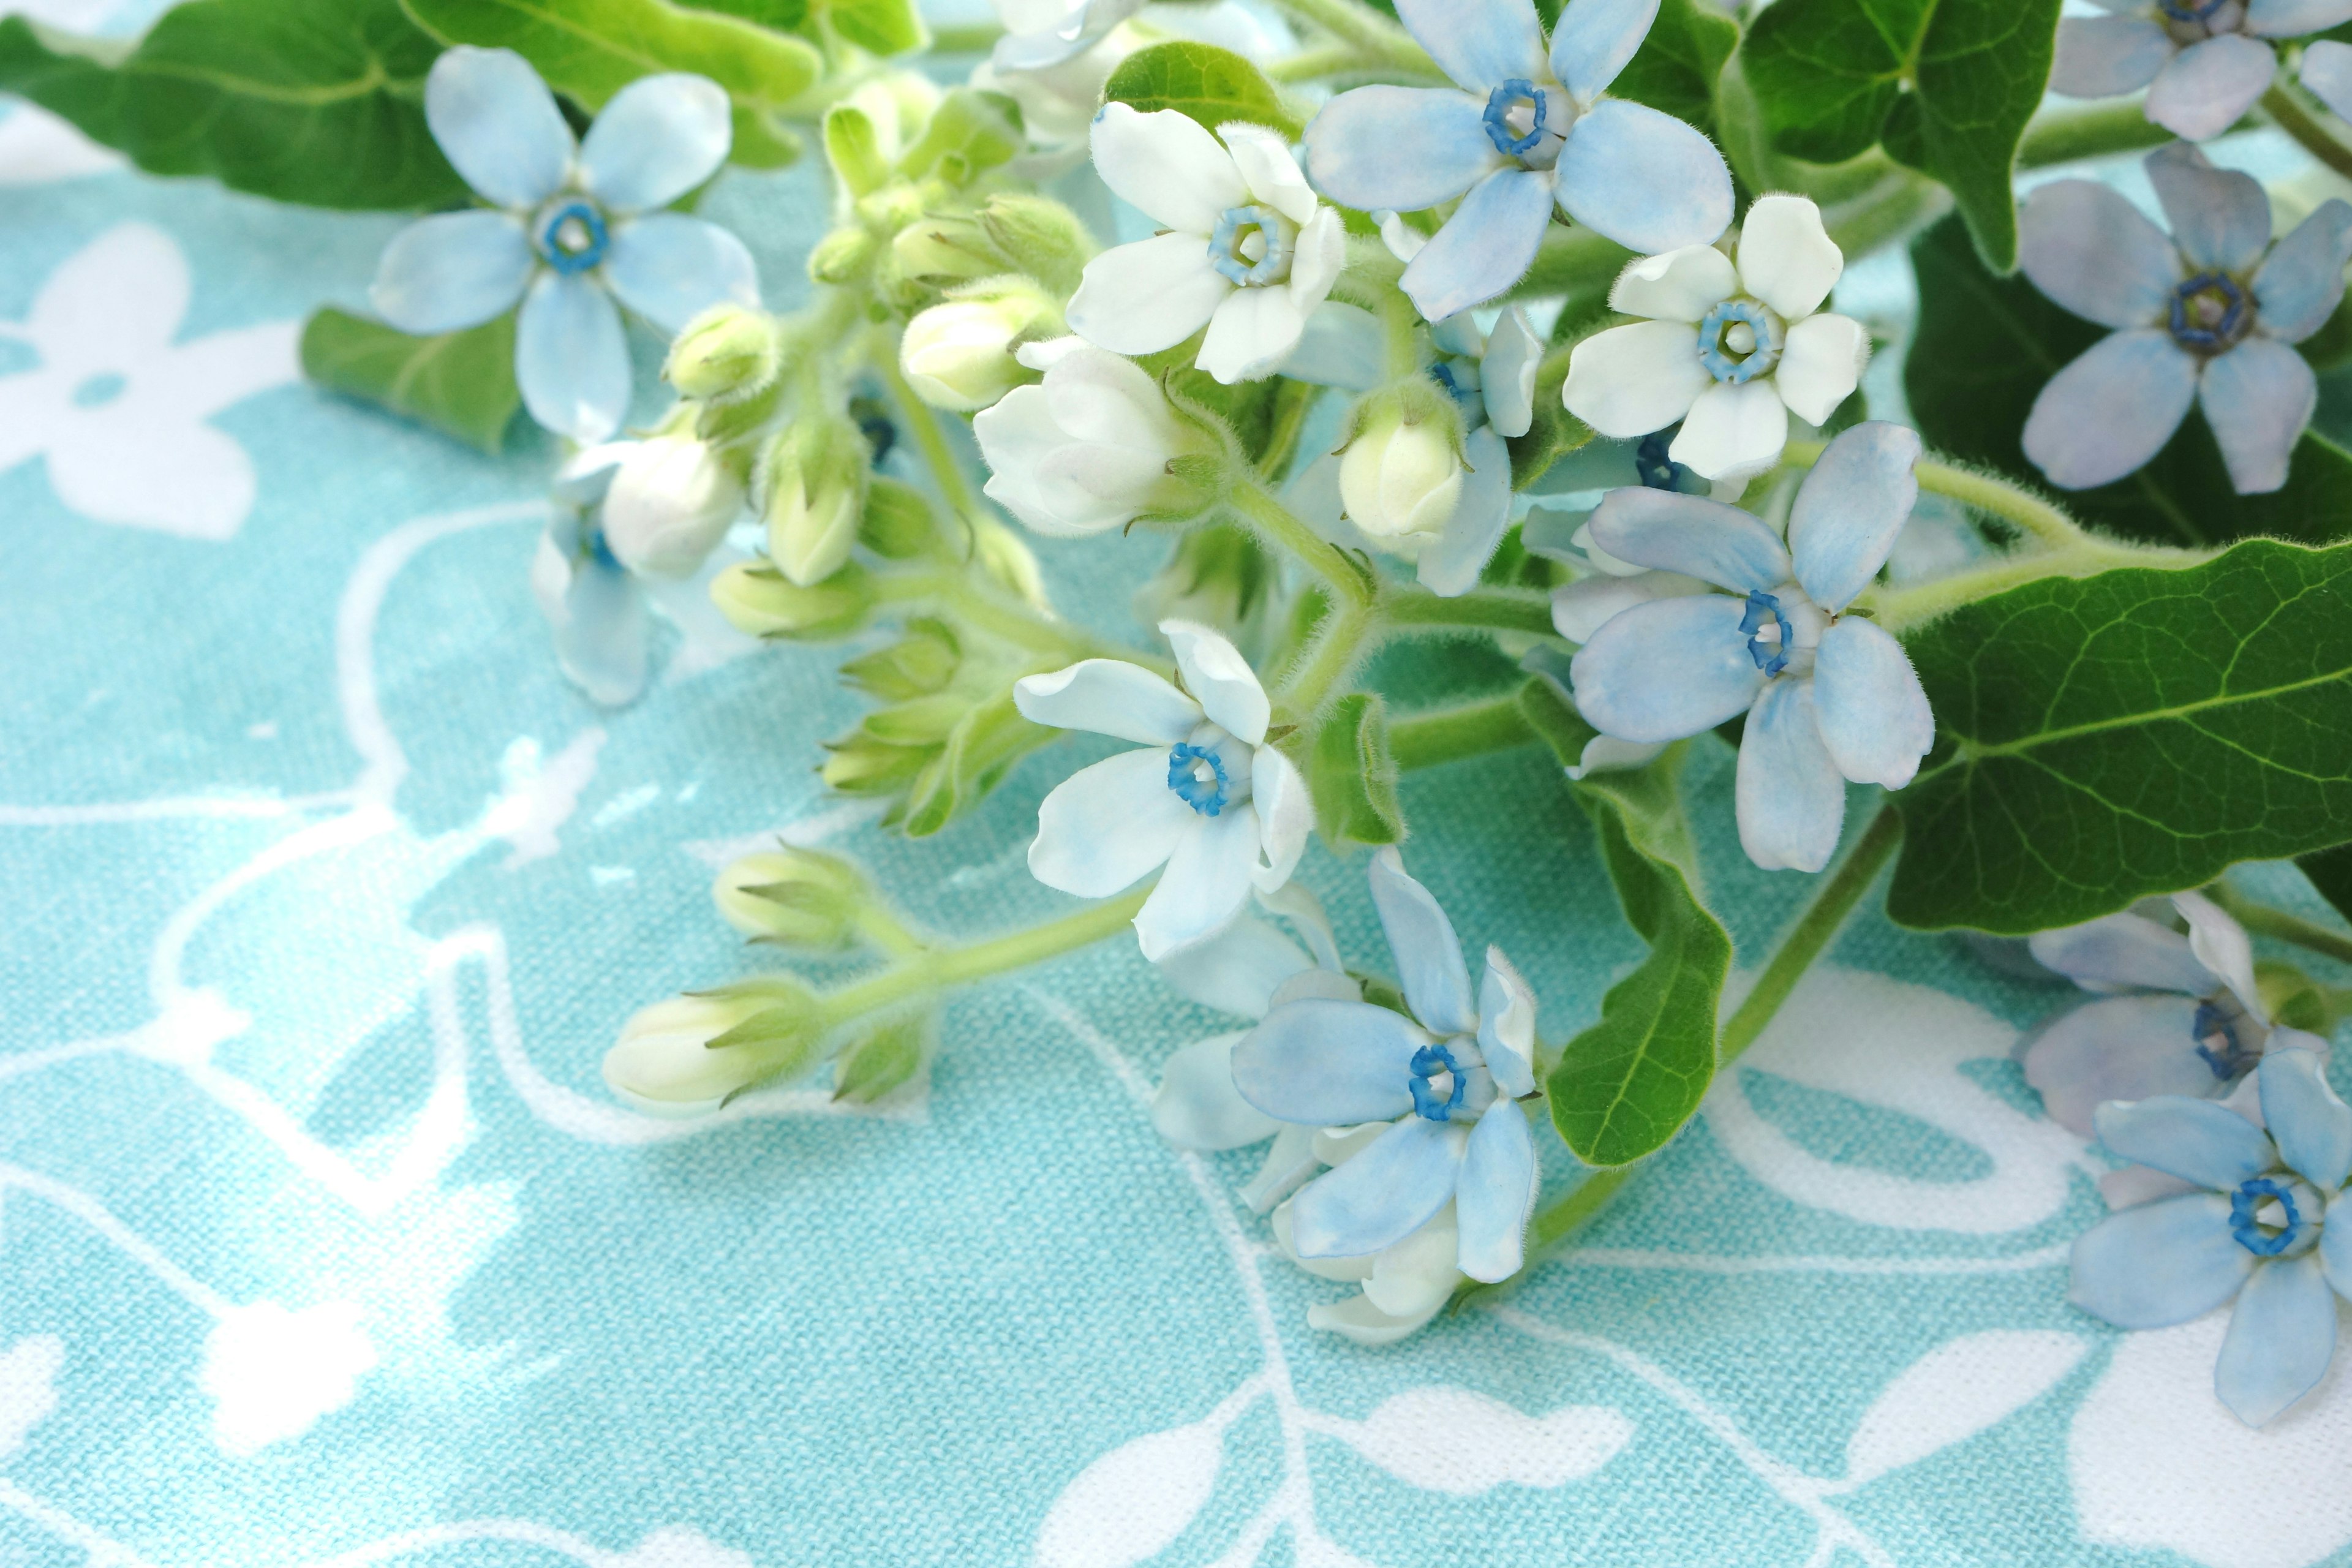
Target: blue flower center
column 2192, row 11
column 1738, row 340
column 1772, row 658
column 2218, row 1031
column 1198, row 777
column 1659, row 471
column 2211, row 313
column 1459, row 377
column 2259, row 1228
column 1515, row 113
column 1438, row 1083
column 573, row 237
column 1252, row 246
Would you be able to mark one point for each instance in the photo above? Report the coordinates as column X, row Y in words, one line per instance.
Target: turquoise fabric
column 321, row 1242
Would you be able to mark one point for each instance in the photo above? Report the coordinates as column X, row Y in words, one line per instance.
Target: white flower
column 1729, row 350
column 669, row 504
column 1085, row 451
column 594, row 607
column 1206, row 797
column 273, row 1373
column 1248, row 252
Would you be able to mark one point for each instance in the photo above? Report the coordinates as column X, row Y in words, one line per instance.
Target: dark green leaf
column 1209, row 84
column 2330, row 872
column 1982, row 350
column 1350, row 776
column 1626, row 1085
column 1675, row 68
column 316, row 101
column 2102, row 739
column 461, row 383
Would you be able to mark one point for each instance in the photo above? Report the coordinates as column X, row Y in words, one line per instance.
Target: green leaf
column 591, row 49
column 1946, row 86
column 1675, row 68
column 2330, row 872
column 315, row 101
column 1350, row 776
column 2102, row 739
column 1209, row 84
column 461, row 383
column 877, row 27
column 1982, row 350
column 1626, row 1085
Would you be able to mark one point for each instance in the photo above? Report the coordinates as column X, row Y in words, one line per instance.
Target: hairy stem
column 1333, row 60
column 1487, row 609
column 1375, row 39
column 2267, row 921
column 1259, row 507
column 2323, row 140
column 1338, row 643
column 1898, row 609
column 918, row 416
column 944, row 968
column 2069, row 136
column 1447, row 734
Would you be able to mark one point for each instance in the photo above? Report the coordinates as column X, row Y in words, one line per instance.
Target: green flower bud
column 854, row 147
column 792, row 896
column 862, row 765
column 1402, row 472
column 899, row 524
column 939, row 251
column 1219, row 575
column 689, row 1055
column 759, row 600
column 727, row 353
column 841, row 257
column 959, row 354
column 1039, row 236
column 968, row 133
column 893, row 1055
column 920, row 663
column 812, row 485
column 1004, row 556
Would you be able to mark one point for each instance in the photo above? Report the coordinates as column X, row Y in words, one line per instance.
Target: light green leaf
column 1350, row 776
column 316, row 101
column 2102, row 739
column 461, row 383
column 1207, row 83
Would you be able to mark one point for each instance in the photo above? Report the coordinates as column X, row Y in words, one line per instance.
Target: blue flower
column 1525, row 132
column 2204, row 315
column 1450, row 1073
column 1828, row 697
column 2204, row 62
column 573, row 228
column 2257, row 1232
column 595, row 608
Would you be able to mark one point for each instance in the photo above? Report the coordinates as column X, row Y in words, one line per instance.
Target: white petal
column 2206, row 87
column 2220, row 945
column 571, row 358
column 2123, row 951
column 1238, row 971
column 1357, row 1320
column 669, row 269
column 1417, row 1275
column 1108, row 697
column 1680, row 286
column 1873, row 714
column 1384, row 1195
column 1263, row 160
column 498, row 124
column 1789, row 799
column 1285, row 817
column 1733, row 432
column 1168, row 165
column 1289, row 1162
column 1219, row 679
column 1786, row 256
column 1316, row 259
column 450, row 271
column 2100, row 57
column 2258, row 398
column 1140, row 298
column 1436, row 982
column 1495, row 1193
column 1632, row 380
column 1196, row 1105
column 2094, row 253
column 1105, row 826
column 1507, row 373
column 1663, row 670
column 1205, row 885
column 656, row 140
column 2111, row 409
column 1820, row 364
column 1251, row 332
column 1506, row 1025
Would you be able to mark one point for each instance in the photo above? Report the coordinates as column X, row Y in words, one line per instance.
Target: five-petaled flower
column 2182, row 1015
column 573, row 227
column 1526, row 130
column 1206, row 797
column 1448, row 1078
column 1247, row 251
column 2206, row 315
column 1088, row 449
column 2256, row 1232
column 1828, row 697
column 2204, row 62
column 1731, row 348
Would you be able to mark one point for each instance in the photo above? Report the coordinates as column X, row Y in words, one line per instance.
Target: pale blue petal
column 1644, row 179
column 1849, row 508
column 1207, row 882
column 1484, row 247
column 2220, row 217
column 1342, row 346
column 2124, row 950
column 498, row 124
column 658, row 138
column 571, row 359
column 2124, row 1048
column 1481, row 44
column 2299, row 286
column 1668, row 531
column 2207, row 87
column 450, row 271
column 1435, row 980
column 2195, row 1139
column 1085, row 27
column 601, row 630
column 2095, row 253
column 2099, row 57
column 1507, row 373
column 1106, row 825
column 2282, row 1337
column 1873, row 712
column 1666, row 670
column 2159, row 1264
column 1786, row 794
column 2258, row 397
column 669, row 269
column 2326, row 71
column 1196, row 1105
column 1384, row 1195
column 1328, row 1063
column 1594, row 38
column 1238, row 971
column 1495, row 1193
column 2289, row 18
column 2312, row 1127
column 1482, row 513
column 1399, row 148
column 1506, row 1025
column 2111, row 409
column 2336, row 1256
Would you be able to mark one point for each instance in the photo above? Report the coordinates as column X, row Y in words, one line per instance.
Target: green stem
column 1811, row 934
column 918, row 416
column 1577, row 1210
column 942, row 969
column 2013, row 504
column 1294, row 400
column 1375, row 39
column 1338, row 643
column 1308, row 64
column 973, row 38
column 1400, row 324
column 1490, row 609
column 2318, row 138
column 1277, row 521
column 2268, row 921
column 2069, row 135
column 1000, row 616
column 1425, row 740
column 1897, row 609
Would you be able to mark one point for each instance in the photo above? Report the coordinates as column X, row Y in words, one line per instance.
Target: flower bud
column 792, row 897
column 814, row 484
column 920, row 663
column 944, row 250
column 759, row 600
column 726, row 353
column 665, row 1062
column 899, row 524
column 841, row 257
column 669, row 505
column 1039, row 237
column 958, row 355
column 882, row 1061
column 1401, row 476
column 862, row 765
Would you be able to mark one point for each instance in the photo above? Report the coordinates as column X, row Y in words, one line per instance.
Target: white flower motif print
column 273, row 1372
column 117, row 410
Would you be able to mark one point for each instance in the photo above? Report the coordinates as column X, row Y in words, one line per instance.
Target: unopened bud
column 891, row 1056
column 918, row 664
column 727, row 352
column 814, row 493
column 760, row 601
column 665, row 1061
column 670, row 504
column 959, row 354
column 862, row 765
column 943, row 250
column 899, row 524
column 841, row 257
column 792, row 896
column 1039, row 236
column 1401, row 476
